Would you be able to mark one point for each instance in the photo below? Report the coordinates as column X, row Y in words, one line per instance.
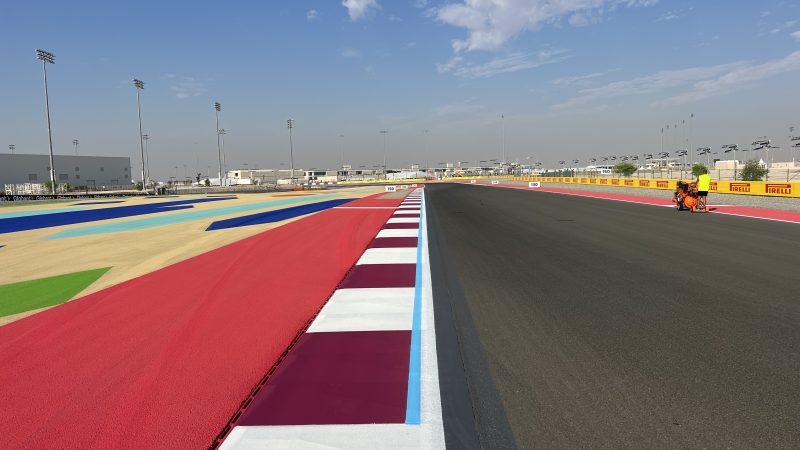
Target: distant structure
column 78, row 171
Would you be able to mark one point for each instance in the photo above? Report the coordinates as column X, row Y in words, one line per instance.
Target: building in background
column 77, row 171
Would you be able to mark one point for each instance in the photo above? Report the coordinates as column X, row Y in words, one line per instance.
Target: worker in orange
column 703, row 184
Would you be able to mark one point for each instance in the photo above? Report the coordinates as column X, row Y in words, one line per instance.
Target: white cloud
column 187, row 87
column 736, row 79
column 674, row 14
column 312, row 14
column 702, row 83
column 360, row 9
column 369, row 69
column 491, row 23
column 420, row 3
column 796, row 35
column 581, row 80
column 511, row 63
column 645, row 85
column 350, row 52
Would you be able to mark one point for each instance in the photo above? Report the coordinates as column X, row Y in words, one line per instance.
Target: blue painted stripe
column 152, row 222
column 415, row 362
column 276, row 216
column 92, row 215
column 36, row 212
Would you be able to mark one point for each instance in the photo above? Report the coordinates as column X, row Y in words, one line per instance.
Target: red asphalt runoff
column 165, row 359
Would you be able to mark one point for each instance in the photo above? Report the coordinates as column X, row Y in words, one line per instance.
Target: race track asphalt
column 602, row 324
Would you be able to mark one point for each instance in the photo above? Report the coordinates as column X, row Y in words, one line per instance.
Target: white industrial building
column 78, row 171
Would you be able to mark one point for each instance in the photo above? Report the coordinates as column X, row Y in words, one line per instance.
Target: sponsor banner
column 765, row 188
column 391, row 188
column 534, row 184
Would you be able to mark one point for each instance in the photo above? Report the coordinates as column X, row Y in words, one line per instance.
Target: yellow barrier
column 765, row 188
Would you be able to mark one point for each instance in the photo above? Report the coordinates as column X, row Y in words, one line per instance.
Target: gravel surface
column 755, row 201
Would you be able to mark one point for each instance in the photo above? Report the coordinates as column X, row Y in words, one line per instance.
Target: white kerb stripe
column 392, row 255
column 414, row 207
column 380, row 309
column 405, row 213
column 403, row 220
column 398, row 232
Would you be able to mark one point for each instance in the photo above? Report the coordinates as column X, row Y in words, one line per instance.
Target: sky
column 566, row 79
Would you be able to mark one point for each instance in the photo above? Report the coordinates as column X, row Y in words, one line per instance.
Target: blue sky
column 574, row 78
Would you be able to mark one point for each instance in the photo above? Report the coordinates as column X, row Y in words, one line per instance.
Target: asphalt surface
column 612, row 325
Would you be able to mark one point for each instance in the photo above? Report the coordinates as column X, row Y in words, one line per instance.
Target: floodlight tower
column 75, row 142
column 146, row 138
column 48, row 58
column 217, row 110
column 290, row 125
column 139, row 85
column 222, row 132
column 384, row 133
column 11, row 147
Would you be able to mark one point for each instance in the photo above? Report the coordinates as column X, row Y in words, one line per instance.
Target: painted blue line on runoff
column 37, row 212
column 275, row 216
column 414, row 363
column 92, row 215
column 152, row 222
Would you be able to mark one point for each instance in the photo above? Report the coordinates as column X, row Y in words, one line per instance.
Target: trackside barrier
column 765, row 188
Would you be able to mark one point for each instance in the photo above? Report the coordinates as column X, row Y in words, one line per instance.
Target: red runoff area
column 164, row 360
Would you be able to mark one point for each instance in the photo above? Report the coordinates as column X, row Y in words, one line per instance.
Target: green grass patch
column 34, row 294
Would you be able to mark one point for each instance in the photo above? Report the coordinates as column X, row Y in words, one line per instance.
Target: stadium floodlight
column 75, row 142
column 217, row 110
column 146, row 138
column 612, row 157
column 139, row 85
column 592, row 160
column 222, row 132
column 384, row 133
column 290, row 126
column 48, row 58
column 11, row 147
column 604, row 158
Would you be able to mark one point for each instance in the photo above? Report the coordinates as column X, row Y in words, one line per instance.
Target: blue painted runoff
column 13, row 224
column 36, row 212
column 275, row 216
column 157, row 221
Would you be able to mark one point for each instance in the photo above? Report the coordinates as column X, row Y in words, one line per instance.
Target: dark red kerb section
column 393, row 242
column 353, row 377
column 380, row 276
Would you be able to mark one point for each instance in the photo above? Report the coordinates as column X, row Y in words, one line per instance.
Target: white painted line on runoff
column 403, row 220
column 389, row 256
column 397, row 232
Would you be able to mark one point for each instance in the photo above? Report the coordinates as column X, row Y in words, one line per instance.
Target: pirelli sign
column 662, row 184
column 778, row 188
column 743, row 188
